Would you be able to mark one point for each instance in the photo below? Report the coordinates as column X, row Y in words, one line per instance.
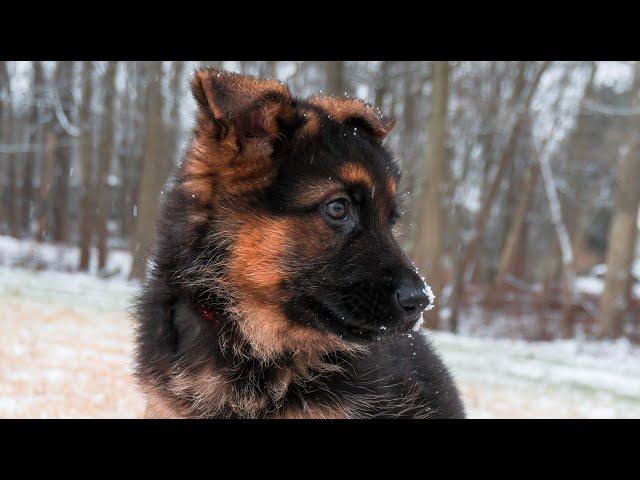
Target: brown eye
column 337, row 209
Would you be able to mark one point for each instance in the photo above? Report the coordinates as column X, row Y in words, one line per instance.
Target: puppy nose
column 411, row 295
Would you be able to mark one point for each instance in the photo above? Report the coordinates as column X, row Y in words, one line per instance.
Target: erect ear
column 244, row 106
column 356, row 113
column 240, row 119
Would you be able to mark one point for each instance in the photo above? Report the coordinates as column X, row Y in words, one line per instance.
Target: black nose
column 411, row 295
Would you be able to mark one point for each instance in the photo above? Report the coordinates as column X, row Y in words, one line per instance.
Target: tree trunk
column 268, row 69
column 336, row 83
column 12, row 192
column 45, row 149
column 129, row 155
column 568, row 272
column 429, row 245
column 407, row 149
column 382, row 84
column 579, row 219
column 623, row 232
column 5, row 138
column 30, row 160
column 490, row 126
column 174, row 117
column 104, row 163
column 86, row 156
column 568, row 269
column 152, row 174
column 9, row 136
column 64, row 90
column 46, row 183
column 507, row 212
column 516, row 229
column 208, row 64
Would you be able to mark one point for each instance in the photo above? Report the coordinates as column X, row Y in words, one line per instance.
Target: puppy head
column 302, row 194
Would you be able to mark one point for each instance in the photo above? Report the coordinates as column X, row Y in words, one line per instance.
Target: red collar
column 207, row 315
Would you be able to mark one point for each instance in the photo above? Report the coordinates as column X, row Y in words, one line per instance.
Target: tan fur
column 255, row 263
column 203, row 166
column 239, row 91
column 158, row 409
column 392, row 186
column 213, row 169
column 270, row 333
column 309, row 411
column 356, row 174
column 343, row 109
column 211, row 394
column 260, row 244
column 311, row 125
column 217, row 164
column 214, row 395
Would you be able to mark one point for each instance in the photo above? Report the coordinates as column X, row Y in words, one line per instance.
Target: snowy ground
column 65, row 348
column 65, row 351
column 35, row 255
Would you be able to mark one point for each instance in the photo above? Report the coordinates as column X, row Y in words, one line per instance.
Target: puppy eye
column 337, row 209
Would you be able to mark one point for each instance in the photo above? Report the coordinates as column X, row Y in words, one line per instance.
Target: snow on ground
column 66, row 344
column 559, row 379
column 65, row 348
column 63, row 258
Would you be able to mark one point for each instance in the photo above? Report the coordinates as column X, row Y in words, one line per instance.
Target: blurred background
column 522, row 193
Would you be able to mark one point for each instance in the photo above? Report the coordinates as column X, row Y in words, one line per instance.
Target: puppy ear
column 356, row 113
column 240, row 120
column 244, row 106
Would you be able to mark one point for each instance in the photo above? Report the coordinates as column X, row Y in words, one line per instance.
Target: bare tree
column 153, row 173
column 490, row 116
column 410, row 100
column 429, row 245
column 104, row 163
column 34, row 134
column 480, row 221
column 8, row 135
column 62, row 98
column 44, row 134
column 46, row 183
column 558, row 220
column 382, row 84
column 131, row 150
column 579, row 152
column 564, row 242
column 516, row 228
column 87, row 203
column 336, row 83
column 514, row 238
column 268, row 69
column 5, row 126
column 623, row 231
column 175, row 86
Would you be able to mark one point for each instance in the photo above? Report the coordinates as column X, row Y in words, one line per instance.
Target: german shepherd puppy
column 277, row 287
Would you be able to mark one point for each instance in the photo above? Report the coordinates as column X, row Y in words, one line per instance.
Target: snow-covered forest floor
column 66, row 343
